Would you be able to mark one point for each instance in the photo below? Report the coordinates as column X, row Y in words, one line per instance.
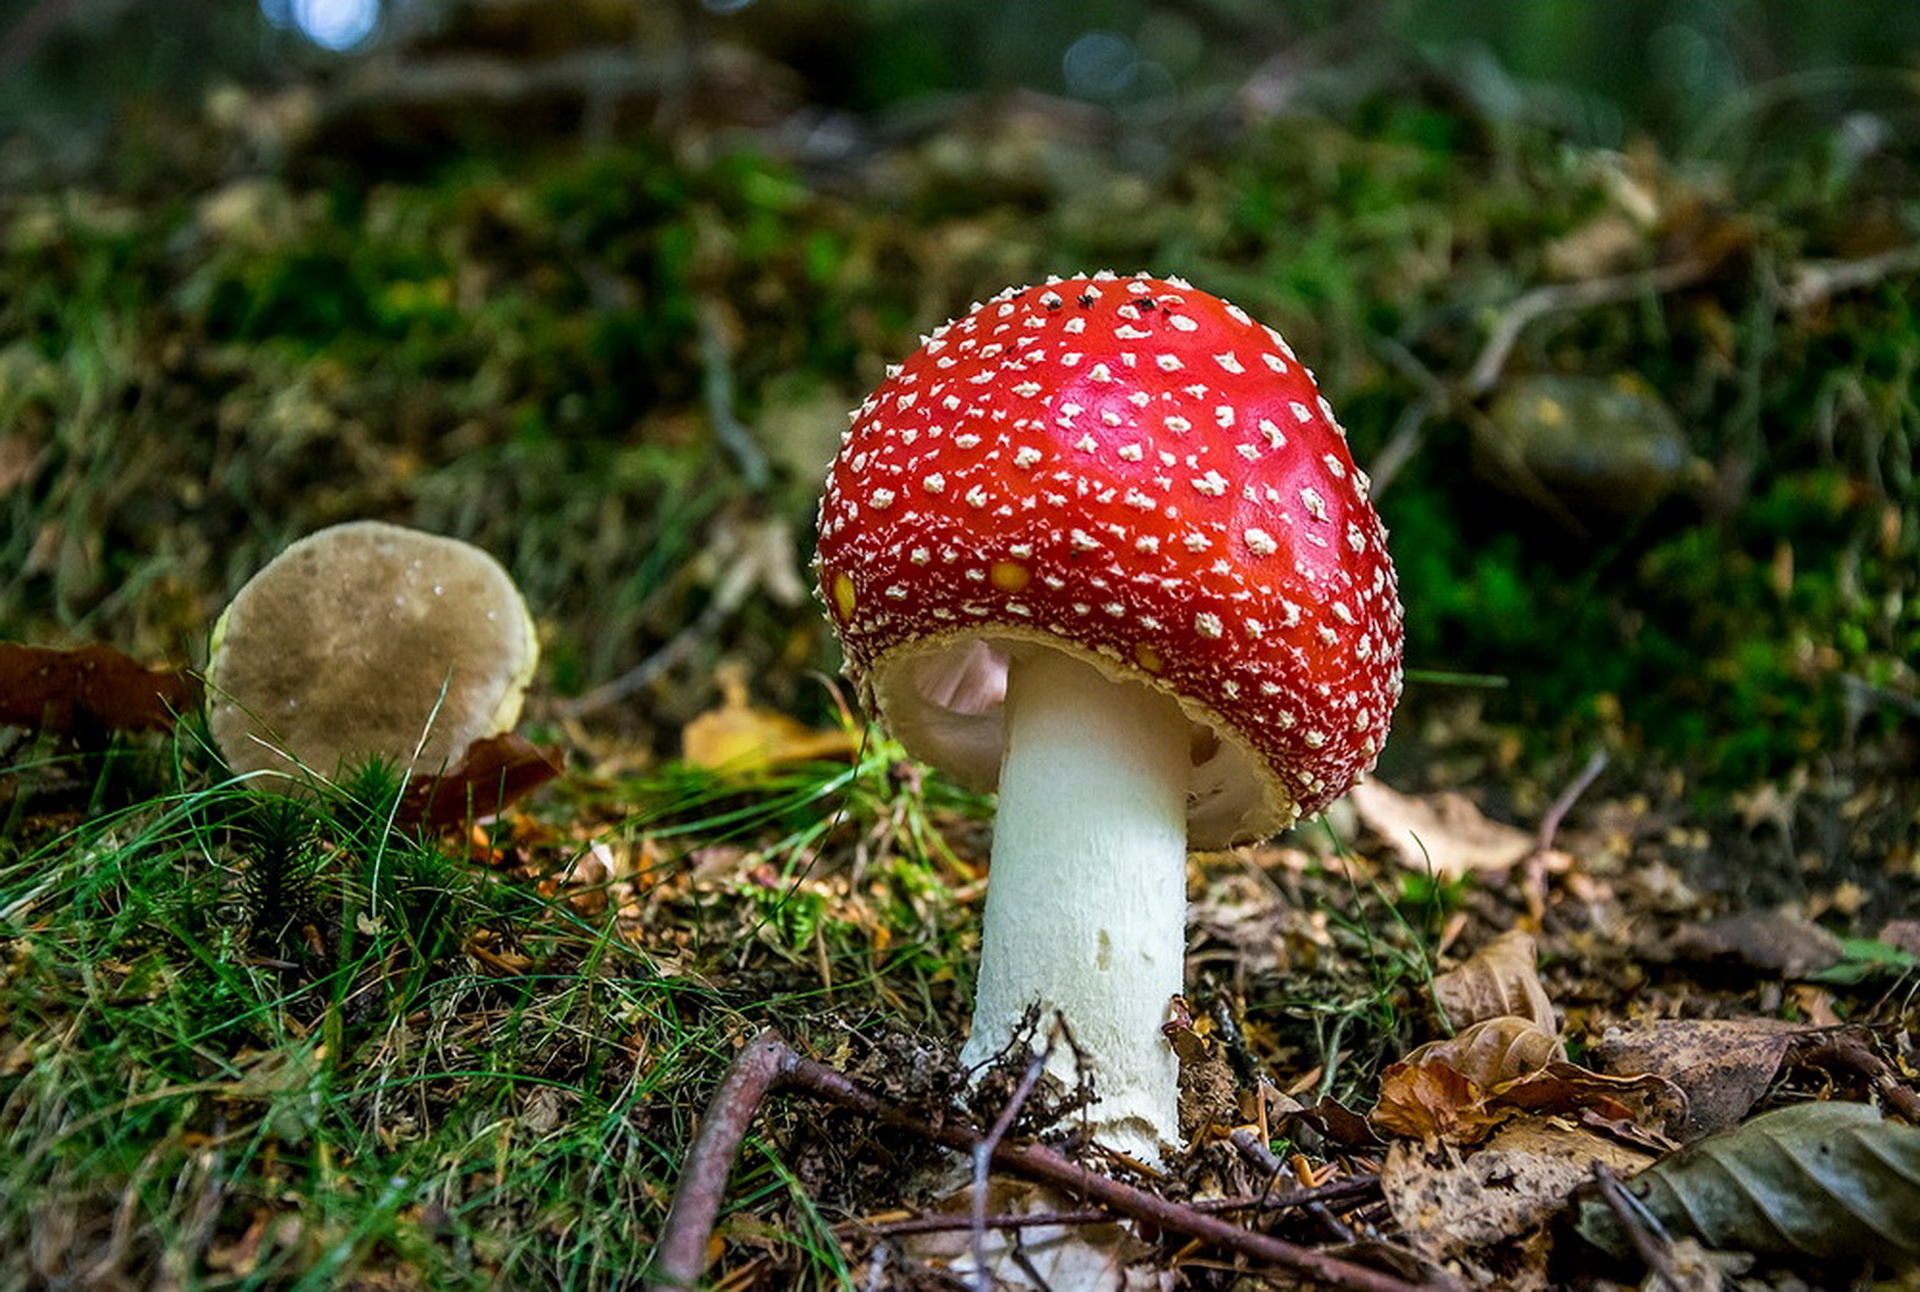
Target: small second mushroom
column 368, row 640
column 1100, row 544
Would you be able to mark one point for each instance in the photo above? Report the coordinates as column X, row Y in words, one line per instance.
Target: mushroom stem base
column 1086, row 901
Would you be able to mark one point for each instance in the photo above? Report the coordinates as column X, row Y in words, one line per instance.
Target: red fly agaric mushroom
column 1101, row 543
column 368, row 640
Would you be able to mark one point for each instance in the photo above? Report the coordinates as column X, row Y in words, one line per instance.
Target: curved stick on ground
column 768, row 1063
column 1355, row 1189
column 681, row 1254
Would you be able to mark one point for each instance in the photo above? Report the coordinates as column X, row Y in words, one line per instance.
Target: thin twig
column 769, row 1063
column 1818, row 280
column 1558, row 809
column 1253, row 1147
column 1313, row 1201
column 1410, row 429
column 1039, row 1162
column 945, row 1222
column 677, row 649
column 1534, row 873
column 1436, row 397
column 1250, row 1147
column 1256, row 1151
column 742, row 555
column 1351, row 1191
column 983, row 1153
column 1558, row 297
column 1409, row 432
column 1849, row 1050
column 717, row 386
column 1639, row 1227
column 1348, row 1192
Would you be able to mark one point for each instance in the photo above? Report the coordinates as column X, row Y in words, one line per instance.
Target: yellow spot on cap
column 843, row 597
column 1009, row 576
column 1147, row 657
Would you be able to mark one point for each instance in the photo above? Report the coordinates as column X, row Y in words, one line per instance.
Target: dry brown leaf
column 1426, row 1097
column 1496, row 1051
column 91, row 688
column 1099, row 1258
column 1443, row 833
column 1723, row 1065
column 741, row 739
column 1503, row 1193
column 1499, row 980
column 1340, row 1124
column 1901, row 935
column 1776, row 942
column 495, row 772
column 1458, row 1089
column 1441, row 1089
column 1645, row 1108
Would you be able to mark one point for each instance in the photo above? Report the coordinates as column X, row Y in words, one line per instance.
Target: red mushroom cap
column 1136, row 472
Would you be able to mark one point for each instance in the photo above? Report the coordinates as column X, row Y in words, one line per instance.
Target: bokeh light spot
column 330, row 24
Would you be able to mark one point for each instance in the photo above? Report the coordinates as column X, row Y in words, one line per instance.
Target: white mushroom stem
column 1087, row 898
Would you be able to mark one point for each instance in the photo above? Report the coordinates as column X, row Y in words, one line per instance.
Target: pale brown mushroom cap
column 368, row 640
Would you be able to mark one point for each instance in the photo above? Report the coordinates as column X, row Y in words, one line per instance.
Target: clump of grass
column 1357, row 996
column 841, row 871
column 252, row 1039
column 240, row 1043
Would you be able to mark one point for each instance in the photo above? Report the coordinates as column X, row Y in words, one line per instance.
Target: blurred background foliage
column 1618, row 303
